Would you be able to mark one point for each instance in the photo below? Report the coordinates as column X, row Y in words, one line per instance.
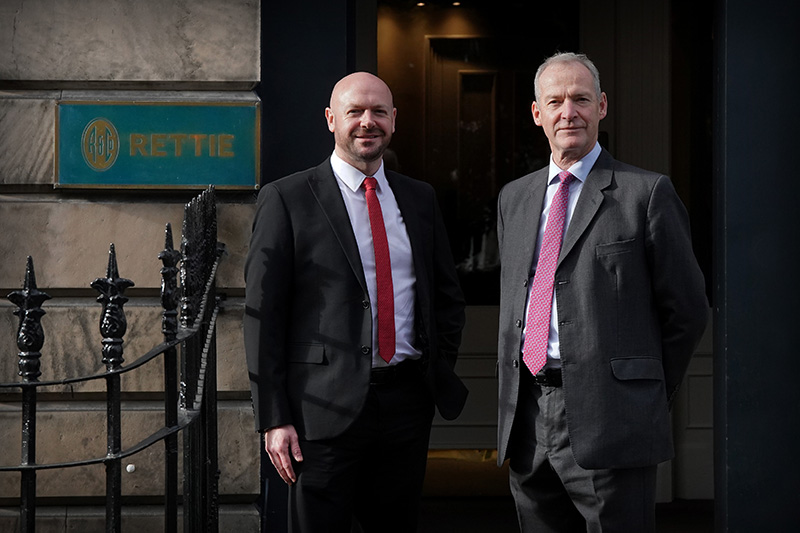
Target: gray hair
column 568, row 57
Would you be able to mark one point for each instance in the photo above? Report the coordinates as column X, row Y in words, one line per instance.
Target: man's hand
column 280, row 442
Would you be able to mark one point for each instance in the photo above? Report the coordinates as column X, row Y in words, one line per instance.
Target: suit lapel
column 531, row 210
column 414, row 220
column 419, row 227
column 589, row 201
column 323, row 185
column 406, row 203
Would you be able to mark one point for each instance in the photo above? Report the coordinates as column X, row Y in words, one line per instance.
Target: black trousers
column 372, row 474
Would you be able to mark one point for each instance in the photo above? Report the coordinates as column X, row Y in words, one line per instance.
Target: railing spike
column 112, row 272
column 168, row 237
column 30, row 335
column 113, row 323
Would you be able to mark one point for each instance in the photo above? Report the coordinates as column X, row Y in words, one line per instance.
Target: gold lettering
column 157, row 142
column 171, row 144
column 198, row 143
column 178, row 138
column 138, row 144
column 225, row 145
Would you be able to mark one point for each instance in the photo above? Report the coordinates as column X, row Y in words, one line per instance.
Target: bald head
column 361, row 117
column 361, row 81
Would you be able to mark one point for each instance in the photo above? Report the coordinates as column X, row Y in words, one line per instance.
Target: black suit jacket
column 308, row 325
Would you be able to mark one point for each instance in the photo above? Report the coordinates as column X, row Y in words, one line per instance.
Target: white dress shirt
column 350, row 182
column 581, row 171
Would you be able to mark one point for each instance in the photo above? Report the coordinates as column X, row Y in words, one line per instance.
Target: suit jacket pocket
column 307, row 353
column 613, row 248
column 627, row 368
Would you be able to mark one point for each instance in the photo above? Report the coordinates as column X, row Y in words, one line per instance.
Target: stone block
column 69, row 239
column 142, row 41
column 74, row 431
column 27, row 137
column 73, row 346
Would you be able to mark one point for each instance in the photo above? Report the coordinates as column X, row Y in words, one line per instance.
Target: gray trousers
column 552, row 492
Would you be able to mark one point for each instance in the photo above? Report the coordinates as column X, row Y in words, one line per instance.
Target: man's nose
column 367, row 120
column 568, row 109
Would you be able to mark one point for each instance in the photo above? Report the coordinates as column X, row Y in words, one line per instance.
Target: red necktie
column 383, row 272
column 537, row 323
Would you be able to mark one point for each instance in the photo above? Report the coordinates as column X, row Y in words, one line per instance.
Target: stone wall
column 206, row 49
column 144, row 42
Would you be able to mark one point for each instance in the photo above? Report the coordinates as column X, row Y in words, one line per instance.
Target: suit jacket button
column 365, row 350
column 515, row 363
column 525, row 283
column 365, row 304
column 518, row 323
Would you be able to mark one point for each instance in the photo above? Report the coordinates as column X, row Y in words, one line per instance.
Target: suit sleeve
column 500, row 224
column 268, row 282
column 678, row 283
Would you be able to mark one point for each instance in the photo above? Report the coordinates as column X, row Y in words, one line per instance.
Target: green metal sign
column 158, row 144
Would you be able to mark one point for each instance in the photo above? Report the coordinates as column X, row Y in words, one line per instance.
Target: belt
column 549, row 377
column 401, row 372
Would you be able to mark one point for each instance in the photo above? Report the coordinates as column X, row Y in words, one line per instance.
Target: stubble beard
column 368, row 154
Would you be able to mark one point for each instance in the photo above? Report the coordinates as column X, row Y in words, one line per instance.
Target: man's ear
column 329, row 118
column 603, row 105
column 536, row 115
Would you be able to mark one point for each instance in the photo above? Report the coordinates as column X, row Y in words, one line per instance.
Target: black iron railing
column 189, row 402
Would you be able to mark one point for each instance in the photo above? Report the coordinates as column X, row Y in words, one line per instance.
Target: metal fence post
column 113, row 326
column 169, row 327
column 30, row 339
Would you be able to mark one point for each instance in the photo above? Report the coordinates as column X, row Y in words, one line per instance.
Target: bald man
column 352, row 325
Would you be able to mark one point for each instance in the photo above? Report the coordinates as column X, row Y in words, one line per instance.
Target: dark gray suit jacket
column 307, row 324
column 631, row 309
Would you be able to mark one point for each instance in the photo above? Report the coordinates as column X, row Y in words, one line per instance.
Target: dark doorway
column 462, row 77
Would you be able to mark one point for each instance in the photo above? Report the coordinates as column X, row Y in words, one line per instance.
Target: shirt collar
column 351, row 176
column 580, row 169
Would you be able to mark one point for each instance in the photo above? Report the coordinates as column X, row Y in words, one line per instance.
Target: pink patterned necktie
column 537, row 323
column 383, row 272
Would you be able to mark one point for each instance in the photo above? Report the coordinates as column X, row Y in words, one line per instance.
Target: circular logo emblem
column 100, row 144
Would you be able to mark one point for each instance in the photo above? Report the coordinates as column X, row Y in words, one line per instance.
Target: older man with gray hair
column 602, row 305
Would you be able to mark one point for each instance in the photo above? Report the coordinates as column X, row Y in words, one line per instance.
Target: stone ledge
column 241, row 518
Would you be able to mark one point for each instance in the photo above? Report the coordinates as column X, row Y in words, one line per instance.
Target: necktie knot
column 566, row 177
column 370, row 183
